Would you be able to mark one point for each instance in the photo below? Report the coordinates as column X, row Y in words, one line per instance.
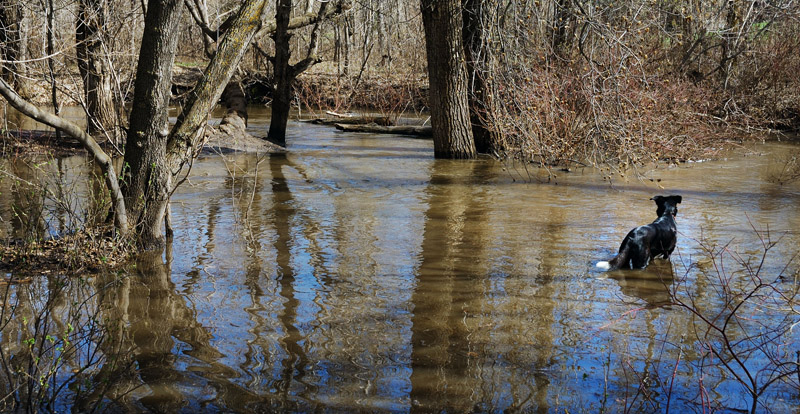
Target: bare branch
column 27, row 108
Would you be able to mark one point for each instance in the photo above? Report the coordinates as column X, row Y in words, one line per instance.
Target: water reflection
column 356, row 273
column 451, row 274
column 652, row 285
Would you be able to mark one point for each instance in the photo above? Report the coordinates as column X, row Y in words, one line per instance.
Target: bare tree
column 284, row 72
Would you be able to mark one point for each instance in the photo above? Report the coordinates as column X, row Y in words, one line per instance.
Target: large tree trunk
column 481, row 89
column 101, row 111
column 147, row 177
column 14, row 22
column 282, row 91
column 447, row 74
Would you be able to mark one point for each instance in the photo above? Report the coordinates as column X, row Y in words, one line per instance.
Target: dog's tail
column 604, row 265
column 617, row 261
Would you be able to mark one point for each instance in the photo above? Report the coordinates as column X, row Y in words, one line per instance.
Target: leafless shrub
column 785, row 170
column 743, row 329
column 58, row 350
column 632, row 83
column 751, row 334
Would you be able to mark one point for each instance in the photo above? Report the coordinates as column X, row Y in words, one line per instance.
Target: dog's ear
column 660, row 203
column 676, row 198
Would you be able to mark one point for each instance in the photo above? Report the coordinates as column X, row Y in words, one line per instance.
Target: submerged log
column 415, row 130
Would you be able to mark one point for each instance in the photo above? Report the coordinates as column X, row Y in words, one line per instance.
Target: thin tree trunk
column 50, row 61
column 282, row 92
column 563, row 17
column 447, row 74
column 198, row 10
column 729, row 37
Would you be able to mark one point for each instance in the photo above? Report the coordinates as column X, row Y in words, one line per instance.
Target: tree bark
column 185, row 139
column 147, row 176
column 481, row 88
column 282, row 84
column 14, row 23
column 447, row 74
column 102, row 115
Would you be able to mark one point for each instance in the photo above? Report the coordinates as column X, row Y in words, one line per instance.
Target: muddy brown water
column 357, row 273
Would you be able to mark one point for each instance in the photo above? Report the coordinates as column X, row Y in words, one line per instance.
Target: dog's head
column 667, row 204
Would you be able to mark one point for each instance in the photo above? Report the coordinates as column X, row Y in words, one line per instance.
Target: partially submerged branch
column 110, row 174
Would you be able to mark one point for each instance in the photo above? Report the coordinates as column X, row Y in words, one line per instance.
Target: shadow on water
column 355, row 273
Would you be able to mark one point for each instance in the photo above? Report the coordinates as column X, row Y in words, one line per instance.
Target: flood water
column 357, row 273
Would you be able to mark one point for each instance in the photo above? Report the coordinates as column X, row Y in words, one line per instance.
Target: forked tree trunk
column 447, row 74
column 153, row 155
column 285, row 73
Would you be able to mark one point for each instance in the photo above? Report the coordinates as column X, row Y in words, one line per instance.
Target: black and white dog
column 644, row 243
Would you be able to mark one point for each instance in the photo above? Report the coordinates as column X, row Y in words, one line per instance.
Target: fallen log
column 417, row 131
column 379, row 120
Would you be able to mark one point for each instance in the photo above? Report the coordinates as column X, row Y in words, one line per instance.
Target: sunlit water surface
column 357, row 273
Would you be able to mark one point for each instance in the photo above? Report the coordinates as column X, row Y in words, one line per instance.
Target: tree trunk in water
column 101, row 112
column 285, row 74
column 147, row 181
column 447, row 73
column 282, row 93
column 481, row 90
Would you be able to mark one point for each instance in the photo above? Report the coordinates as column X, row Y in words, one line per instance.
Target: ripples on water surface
column 357, row 273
